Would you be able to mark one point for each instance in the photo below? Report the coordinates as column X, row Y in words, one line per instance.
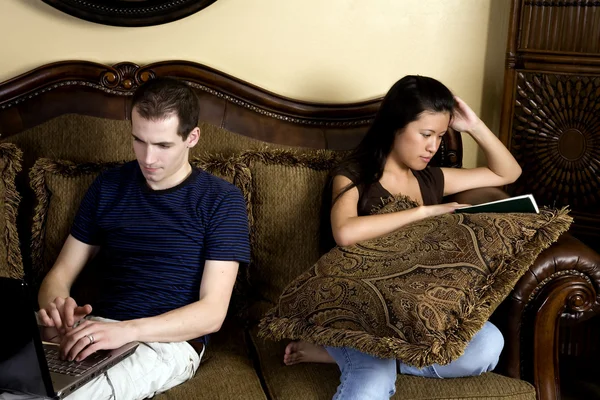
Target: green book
column 519, row 204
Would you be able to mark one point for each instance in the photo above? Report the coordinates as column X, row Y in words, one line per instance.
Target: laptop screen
column 20, row 346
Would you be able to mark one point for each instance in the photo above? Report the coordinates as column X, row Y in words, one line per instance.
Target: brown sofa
column 78, row 111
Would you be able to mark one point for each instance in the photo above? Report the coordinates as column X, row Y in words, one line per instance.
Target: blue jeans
column 367, row 377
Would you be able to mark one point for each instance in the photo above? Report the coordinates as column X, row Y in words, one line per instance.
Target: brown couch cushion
column 319, row 381
column 287, row 188
column 59, row 187
column 214, row 139
column 418, row 294
column 83, row 138
column 11, row 263
column 227, row 371
column 77, row 138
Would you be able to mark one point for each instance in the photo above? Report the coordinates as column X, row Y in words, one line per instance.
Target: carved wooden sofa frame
column 561, row 285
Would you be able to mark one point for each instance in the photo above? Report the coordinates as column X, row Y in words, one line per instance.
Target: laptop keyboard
column 72, row 368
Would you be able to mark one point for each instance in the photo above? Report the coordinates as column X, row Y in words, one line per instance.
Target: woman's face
column 418, row 142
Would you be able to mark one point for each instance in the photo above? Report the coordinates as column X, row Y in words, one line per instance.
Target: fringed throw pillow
column 286, row 198
column 11, row 263
column 418, row 294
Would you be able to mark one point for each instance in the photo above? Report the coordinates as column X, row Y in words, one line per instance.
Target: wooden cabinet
column 551, row 107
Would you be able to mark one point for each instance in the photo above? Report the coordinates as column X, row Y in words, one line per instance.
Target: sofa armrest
column 562, row 283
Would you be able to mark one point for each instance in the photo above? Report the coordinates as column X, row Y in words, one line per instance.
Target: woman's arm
column 348, row 228
column 502, row 167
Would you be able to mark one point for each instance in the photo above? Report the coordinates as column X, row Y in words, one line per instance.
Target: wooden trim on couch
column 99, row 90
column 562, row 285
column 566, row 293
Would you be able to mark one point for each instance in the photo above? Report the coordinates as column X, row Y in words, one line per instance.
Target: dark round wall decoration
column 130, row 12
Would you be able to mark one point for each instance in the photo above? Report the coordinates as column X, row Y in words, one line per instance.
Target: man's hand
column 62, row 314
column 91, row 336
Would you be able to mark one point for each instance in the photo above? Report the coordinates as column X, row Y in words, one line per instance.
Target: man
column 171, row 238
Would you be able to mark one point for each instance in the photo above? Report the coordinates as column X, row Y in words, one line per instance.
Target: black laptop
column 29, row 365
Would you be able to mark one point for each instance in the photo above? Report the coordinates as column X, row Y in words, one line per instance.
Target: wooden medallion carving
column 556, row 138
column 125, row 76
column 572, row 144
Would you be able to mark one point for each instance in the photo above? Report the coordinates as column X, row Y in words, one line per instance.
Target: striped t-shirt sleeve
column 227, row 234
column 85, row 227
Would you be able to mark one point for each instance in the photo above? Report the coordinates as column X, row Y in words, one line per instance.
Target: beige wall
column 319, row 50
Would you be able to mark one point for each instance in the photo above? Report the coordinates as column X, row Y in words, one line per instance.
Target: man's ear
column 193, row 137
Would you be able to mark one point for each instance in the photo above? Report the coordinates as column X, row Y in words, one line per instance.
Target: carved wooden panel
column 556, row 139
column 551, row 107
column 561, row 25
column 551, row 124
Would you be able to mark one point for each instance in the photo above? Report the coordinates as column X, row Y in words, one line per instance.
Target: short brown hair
column 163, row 97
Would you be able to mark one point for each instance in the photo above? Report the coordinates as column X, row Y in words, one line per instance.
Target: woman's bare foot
column 300, row 352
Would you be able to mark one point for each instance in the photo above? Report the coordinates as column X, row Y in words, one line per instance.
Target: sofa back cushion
column 286, row 197
column 76, row 138
column 11, row 264
column 82, row 138
column 59, row 187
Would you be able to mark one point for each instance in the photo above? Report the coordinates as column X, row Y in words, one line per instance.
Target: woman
column 393, row 157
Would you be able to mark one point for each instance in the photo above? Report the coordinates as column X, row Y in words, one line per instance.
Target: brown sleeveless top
column 431, row 183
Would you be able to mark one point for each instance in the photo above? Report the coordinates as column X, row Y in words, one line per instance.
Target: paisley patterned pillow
column 418, row 294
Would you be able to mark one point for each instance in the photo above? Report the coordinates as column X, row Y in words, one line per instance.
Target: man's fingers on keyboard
column 44, row 319
column 57, row 319
column 69, row 311
column 81, row 312
column 73, row 347
column 87, row 351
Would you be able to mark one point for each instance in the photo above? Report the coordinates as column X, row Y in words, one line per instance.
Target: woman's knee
column 481, row 355
column 483, row 352
column 492, row 343
column 364, row 376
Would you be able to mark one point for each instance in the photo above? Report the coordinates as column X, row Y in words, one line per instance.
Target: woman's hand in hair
column 464, row 118
column 502, row 168
column 444, row 208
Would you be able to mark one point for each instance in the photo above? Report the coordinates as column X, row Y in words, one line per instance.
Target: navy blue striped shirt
column 154, row 243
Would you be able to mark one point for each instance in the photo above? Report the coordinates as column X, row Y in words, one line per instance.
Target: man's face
column 161, row 153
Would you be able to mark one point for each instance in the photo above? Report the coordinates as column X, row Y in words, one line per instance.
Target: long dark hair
column 402, row 104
